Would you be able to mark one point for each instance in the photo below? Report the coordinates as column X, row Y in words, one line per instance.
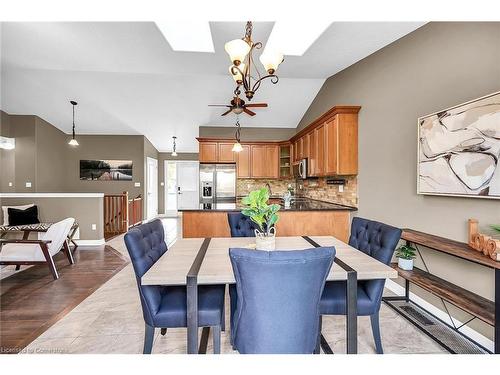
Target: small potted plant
column 405, row 255
column 264, row 215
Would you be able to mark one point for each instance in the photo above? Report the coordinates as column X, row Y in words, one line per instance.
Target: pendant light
column 73, row 141
column 237, row 146
column 174, row 152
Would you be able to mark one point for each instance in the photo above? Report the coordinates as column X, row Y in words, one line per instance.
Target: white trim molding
column 467, row 331
column 90, row 242
column 51, row 195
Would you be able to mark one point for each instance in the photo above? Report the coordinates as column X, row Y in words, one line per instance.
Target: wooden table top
column 173, row 266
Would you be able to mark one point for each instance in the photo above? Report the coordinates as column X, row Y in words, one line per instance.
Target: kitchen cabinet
column 341, row 142
column 226, row 154
column 264, row 161
column 243, row 165
column 208, row 152
column 319, row 152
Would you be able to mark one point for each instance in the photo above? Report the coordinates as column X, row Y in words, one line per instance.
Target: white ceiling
column 128, row 80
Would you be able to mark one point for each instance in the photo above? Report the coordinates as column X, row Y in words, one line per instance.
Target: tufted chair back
column 278, row 298
column 379, row 241
column 146, row 244
column 241, row 225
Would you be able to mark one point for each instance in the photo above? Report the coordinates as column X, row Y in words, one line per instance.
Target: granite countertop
column 300, row 204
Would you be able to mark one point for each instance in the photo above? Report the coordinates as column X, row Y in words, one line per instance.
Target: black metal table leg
column 192, row 298
column 192, row 315
column 497, row 311
column 352, row 312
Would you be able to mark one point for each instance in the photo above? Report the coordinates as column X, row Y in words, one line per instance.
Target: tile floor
column 110, row 321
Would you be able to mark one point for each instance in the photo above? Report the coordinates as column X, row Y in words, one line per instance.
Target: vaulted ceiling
column 127, row 78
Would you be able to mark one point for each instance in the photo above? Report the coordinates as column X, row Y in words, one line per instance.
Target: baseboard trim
column 90, row 242
column 467, row 331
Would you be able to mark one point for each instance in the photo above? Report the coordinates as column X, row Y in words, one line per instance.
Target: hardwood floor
column 31, row 300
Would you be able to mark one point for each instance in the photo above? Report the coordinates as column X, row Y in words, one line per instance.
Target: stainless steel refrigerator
column 217, row 183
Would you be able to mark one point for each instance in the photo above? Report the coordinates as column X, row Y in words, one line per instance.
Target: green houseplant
column 405, row 255
column 264, row 215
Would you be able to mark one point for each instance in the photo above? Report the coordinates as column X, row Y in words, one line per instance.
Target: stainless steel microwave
column 300, row 169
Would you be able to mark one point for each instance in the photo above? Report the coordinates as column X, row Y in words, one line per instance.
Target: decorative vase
column 405, row 264
column 265, row 241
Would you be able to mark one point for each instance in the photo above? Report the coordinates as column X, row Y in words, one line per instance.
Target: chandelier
column 243, row 70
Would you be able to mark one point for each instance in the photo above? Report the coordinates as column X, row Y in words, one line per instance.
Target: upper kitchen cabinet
column 265, row 161
column 341, row 143
column 226, row 154
column 208, row 152
column 330, row 143
column 243, row 165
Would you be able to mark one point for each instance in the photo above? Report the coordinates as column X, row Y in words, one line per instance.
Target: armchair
column 26, row 252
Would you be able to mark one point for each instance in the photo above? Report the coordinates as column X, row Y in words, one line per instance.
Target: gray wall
column 86, row 211
column 248, row 134
column 435, row 67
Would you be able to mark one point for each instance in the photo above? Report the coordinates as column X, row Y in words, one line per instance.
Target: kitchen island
column 304, row 217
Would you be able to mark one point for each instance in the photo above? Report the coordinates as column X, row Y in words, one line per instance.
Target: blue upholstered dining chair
column 165, row 306
column 240, row 226
column 278, row 299
column 378, row 240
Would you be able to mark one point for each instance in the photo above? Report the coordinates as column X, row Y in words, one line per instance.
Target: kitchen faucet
column 269, row 189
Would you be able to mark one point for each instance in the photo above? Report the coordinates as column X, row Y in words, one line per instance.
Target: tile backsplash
column 278, row 187
column 320, row 190
column 312, row 188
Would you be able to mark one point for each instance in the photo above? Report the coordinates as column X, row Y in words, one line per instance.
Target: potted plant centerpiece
column 405, row 255
column 264, row 215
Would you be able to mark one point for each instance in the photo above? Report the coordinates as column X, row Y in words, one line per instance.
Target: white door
column 188, row 185
column 170, row 188
column 152, row 188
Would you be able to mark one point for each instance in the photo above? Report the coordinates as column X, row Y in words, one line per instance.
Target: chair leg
column 149, row 335
column 67, row 250
column 374, row 319
column 317, row 350
column 50, row 261
column 216, row 332
column 163, row 331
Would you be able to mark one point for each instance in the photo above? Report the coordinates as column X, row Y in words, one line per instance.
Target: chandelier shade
column 271, row 60
column 237, row 50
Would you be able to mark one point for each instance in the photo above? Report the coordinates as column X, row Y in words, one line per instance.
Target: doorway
column 181, row 186
column 151, row 188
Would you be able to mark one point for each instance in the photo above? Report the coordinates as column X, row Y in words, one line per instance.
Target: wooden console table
column 480, row 307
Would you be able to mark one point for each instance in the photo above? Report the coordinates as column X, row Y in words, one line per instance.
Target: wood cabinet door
column 305, row 146
column 208, row 152
column 258, row 161
column 243, row 165
column 347, row 144
column 272, row 161
column 300, row 148
column 312, row 157
column 320, row 150
column 331, row 151
column 226, row 155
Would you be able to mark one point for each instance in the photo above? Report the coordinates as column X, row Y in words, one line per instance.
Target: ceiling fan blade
column 256, row 105
column 248, row 112
column 219, row 105
column 225, row 113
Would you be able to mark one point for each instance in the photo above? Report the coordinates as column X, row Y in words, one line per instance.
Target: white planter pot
column 405, row 264
column 265, row 242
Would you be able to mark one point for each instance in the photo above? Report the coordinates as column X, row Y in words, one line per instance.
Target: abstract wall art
column 106, row 170
column 459, row 148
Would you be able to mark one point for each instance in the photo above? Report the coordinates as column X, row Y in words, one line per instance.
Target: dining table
column 205, row 261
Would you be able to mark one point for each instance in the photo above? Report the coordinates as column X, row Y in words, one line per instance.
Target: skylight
column 187, row 35
column 292, row 39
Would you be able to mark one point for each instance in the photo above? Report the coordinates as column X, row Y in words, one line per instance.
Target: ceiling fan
column 238, row 106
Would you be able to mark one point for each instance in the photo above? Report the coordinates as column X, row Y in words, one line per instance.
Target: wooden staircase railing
column 120, row 213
